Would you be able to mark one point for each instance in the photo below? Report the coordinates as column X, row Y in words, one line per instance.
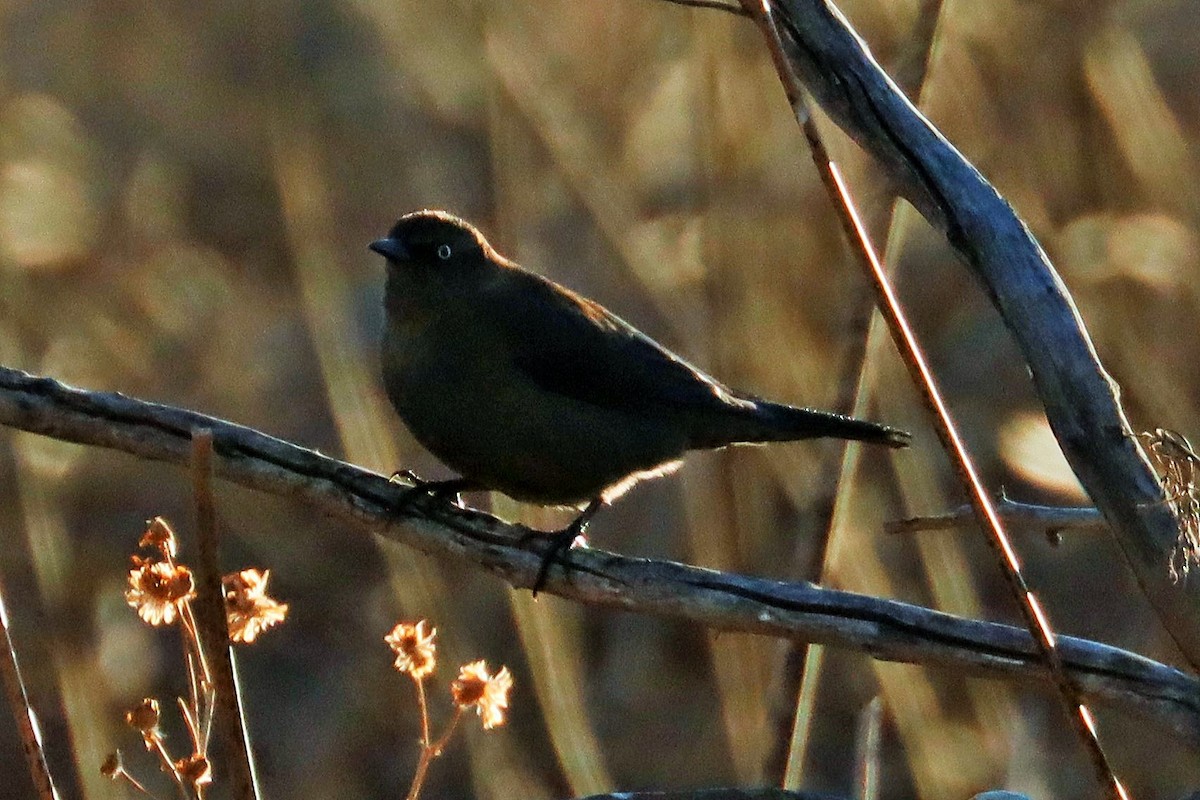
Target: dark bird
column 523, row 386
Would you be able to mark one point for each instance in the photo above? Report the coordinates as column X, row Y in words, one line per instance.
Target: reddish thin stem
column 424, row 711
column 219, row 685
column 168, row 765
column 431, row 751
column 445, row 737
column 910, row 351
column 18, row 701
column 134, row 782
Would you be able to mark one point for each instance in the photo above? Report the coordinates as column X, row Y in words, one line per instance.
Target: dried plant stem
column 1051, row 521
column 219, row 684
column 802, row 664
column 134, row 782
column 423, row 704
column 805, row 661
column 200, row 683
column 168, row 766
column 430, row 751
column 22, row 711
column 414, row 791
column 868, row 749
column 906, row 343
column 445, row 737
column 191, row 722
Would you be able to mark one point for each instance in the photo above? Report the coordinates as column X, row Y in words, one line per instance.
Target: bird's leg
column 561, row 541
column 438, row 490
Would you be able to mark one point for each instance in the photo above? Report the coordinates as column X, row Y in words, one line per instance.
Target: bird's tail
column 764, row 421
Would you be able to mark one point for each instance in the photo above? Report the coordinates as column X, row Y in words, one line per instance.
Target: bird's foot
column 561, row 542
column 442, row 491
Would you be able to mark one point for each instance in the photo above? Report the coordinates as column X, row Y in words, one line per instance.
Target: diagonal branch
column 886, row 629
column 1080, row 399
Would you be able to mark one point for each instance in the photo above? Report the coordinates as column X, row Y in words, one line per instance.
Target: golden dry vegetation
column 186, row 194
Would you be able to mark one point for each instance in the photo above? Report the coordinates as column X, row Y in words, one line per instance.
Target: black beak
column 390, row 248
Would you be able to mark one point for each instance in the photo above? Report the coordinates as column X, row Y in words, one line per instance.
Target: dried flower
column 112, row 766
column 1178, row 467
column 194, row 769
column 159, row 536
column 157, row 589
column 414, row 648
column 248, row 609
column 488, row 693
column 144, row 718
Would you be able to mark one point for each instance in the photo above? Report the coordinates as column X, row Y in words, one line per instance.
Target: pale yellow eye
column 443, row 251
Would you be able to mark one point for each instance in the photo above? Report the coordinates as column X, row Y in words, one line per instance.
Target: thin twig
column 430, row 751
column 1051, row 521
column 121, row 774
column 198, row 674
column 910, row 352
column 364, row 501
column 868, row 750
column 167, row 765
column 423, row 705
column 210, row 602
column 23, row 713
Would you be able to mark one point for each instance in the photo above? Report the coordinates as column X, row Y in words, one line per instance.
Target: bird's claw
column 560, row 542
column 418, row 487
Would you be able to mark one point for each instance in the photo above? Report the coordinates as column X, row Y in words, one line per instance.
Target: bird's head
column 432, row 240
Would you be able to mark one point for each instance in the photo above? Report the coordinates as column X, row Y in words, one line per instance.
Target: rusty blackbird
column 522, row 386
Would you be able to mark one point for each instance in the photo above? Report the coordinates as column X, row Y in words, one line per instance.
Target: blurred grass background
column 186, row 192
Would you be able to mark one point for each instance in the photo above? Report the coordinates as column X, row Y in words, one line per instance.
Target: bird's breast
column 463, row 399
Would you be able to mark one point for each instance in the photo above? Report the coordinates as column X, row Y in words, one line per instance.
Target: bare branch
column 886, row 629
column 1051, row 521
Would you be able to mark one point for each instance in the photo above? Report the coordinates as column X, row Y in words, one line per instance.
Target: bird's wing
column 572, row 346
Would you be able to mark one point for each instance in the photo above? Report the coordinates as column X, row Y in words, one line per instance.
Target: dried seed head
column 414, row 648
column 112, row 766
column 1178, row 467
column 488, row 693
column 157, row 590
column 248, row 609
column 144, row 718
column 195, row 769
column 159, row 536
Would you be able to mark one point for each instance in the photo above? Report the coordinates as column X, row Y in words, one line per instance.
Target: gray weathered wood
column 886, row 629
